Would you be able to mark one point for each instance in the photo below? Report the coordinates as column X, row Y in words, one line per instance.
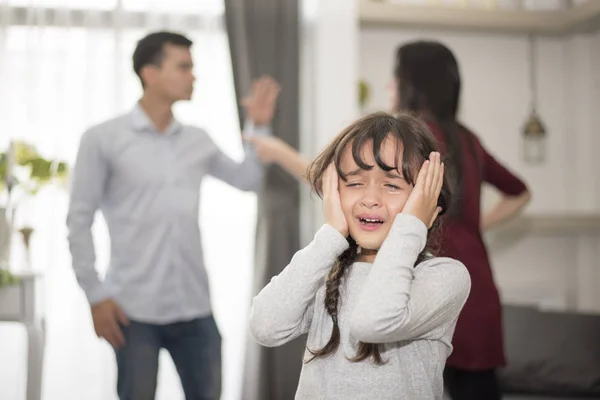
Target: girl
column 427, row 81
column 378, row 308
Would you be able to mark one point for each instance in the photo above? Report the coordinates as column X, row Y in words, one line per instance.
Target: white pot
column 5, row 238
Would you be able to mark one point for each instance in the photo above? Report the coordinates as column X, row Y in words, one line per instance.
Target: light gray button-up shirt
column 147, row 185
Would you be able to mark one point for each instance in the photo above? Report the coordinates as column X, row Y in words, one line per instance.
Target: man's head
column 163, row 62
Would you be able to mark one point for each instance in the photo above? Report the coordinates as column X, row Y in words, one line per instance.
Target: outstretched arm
column 274, row 150
column 259, row 108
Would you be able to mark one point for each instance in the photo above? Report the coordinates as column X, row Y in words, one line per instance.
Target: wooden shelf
column 554, row 224
column 584, row 17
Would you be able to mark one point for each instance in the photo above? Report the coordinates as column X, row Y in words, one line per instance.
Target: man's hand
column 107, row 316
column 260, row 103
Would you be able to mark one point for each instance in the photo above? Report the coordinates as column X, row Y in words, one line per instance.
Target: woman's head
column 377, row 159
column 427, row 79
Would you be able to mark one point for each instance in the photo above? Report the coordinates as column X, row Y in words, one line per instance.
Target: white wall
column 329, row 85
column 495, row 100
column 559, row 270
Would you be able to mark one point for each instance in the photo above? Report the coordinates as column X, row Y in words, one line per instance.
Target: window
column 65, row 67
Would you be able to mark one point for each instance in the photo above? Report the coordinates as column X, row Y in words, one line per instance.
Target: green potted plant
column 27, row 172
column 7, row 279
column 35, row 170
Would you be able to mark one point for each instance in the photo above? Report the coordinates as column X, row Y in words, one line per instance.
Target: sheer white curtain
column 65, row 65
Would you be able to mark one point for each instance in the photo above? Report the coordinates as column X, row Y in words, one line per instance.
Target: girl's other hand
column 423, row 201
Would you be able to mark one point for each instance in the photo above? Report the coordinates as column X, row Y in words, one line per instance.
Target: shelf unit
column 580, row 17
column 554, row 224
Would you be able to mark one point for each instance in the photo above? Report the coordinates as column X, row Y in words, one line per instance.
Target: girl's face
column 371, row 199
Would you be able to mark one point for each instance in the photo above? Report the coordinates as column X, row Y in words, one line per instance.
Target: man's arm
column 87, row 189
column 259, row 108
column 246, row 175
column 272, row 149
column 90, row 177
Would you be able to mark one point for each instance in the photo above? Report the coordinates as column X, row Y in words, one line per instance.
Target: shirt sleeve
column 493, row 172
column 499, row 176
column 90, row 176
column 402, row 302
column 246, row 175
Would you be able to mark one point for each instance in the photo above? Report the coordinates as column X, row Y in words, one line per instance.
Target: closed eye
column 394, row 187
column 353, row 184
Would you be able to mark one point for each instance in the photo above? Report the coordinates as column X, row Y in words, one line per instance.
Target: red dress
column 477, row 339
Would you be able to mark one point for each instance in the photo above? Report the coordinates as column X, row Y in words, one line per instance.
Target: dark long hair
column 372, row 130
column 429, row 82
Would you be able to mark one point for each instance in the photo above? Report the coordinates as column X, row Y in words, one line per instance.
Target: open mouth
column 370, row 223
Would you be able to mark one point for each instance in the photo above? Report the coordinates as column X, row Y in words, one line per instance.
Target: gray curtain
column 264, row 39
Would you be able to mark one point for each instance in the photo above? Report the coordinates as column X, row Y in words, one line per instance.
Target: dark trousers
column 194, row 346
column 472, row 385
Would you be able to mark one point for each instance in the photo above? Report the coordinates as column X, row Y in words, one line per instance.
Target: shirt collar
column 141, row 122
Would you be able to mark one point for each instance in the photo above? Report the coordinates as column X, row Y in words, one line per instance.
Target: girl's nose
column 371, row 198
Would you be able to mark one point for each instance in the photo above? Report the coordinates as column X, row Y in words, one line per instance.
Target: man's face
column 174, row 78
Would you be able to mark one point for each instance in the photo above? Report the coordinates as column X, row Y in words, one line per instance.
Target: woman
column 427, row 81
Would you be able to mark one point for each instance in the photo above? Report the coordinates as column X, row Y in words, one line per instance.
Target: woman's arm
column 507, row 208
column 272, row 149
column 515, row 194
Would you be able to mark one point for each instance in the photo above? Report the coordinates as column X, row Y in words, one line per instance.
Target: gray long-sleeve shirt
column 146, row 185
column 411, row 311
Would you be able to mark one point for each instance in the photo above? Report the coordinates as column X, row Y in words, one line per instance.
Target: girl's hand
column 422, row 202
column 331, row 201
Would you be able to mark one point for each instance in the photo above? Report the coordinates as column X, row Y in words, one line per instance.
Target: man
column 143, row 171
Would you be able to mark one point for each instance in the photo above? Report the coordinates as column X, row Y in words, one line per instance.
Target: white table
column 21, row 303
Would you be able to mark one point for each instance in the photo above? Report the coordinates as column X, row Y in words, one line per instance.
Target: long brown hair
column 429, row 81
column 417, row 142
